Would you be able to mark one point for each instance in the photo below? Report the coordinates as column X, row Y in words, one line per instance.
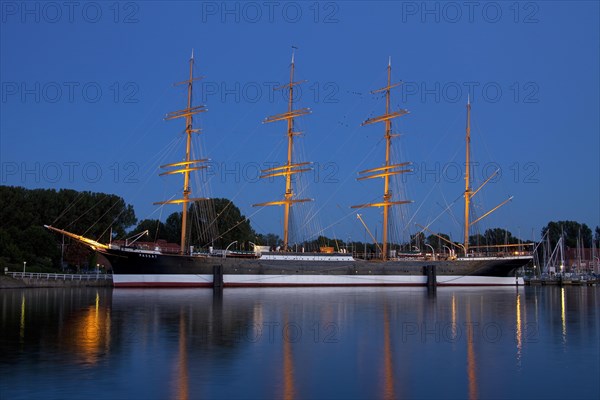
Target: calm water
column 540, row 342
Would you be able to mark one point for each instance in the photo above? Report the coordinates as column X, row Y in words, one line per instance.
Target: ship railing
column 500, row 254
column 145, row 247
column 63, row 277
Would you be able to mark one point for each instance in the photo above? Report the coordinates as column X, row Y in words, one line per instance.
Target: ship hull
column 139, row 269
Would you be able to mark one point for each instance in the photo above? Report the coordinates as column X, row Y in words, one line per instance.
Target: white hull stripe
column 308, row 280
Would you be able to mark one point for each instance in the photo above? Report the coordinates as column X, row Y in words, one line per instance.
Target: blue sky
column 85, row 87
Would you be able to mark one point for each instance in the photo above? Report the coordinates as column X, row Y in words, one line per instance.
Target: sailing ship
column 136, row 267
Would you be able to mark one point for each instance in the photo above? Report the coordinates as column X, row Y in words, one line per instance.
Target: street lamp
column 227, row 248
column 24, row 264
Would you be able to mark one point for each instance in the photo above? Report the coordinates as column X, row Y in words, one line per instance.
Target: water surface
column 536, row 342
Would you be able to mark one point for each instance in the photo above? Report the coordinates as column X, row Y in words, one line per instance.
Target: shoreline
column 7, row 282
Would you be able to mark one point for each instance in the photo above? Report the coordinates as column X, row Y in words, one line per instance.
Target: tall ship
column 133, row 266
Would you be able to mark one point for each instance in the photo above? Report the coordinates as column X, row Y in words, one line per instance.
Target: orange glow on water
column 471, row 365
column 92, row 330
column 182, row 376
column 289, row 389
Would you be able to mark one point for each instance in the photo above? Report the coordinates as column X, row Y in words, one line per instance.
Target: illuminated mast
column 290, row 167
column 189, row 165
column 388, row 169
column 468, row 192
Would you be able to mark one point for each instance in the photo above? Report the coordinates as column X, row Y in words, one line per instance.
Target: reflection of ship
column 137, row 267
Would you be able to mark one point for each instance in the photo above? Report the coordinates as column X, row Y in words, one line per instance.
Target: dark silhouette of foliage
column 268, row 239
column 437, row 243
column 156, row 230
column 24, row 212
column 571, row 230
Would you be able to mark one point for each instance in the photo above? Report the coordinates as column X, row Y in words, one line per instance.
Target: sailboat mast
column 388, row 169
column 386, row 179
column 188, row 165
column 289, row 168
column 288, row 178
column 467, row 176
column 186, row 173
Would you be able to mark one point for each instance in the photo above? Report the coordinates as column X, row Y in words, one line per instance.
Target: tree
column 571, row 230
column 231, row 224
column 476, row 240
column 418, row 240
column 437, row 243
column 156, row 229
column 173, row 227
column 499, row 236
column 269, row 239
column 24, row 212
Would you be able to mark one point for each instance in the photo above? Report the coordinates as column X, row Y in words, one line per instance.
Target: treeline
column 572, row 233
column 216, row 222
column 24, row 212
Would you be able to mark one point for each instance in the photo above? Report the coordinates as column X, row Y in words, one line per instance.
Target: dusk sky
column 86, row 85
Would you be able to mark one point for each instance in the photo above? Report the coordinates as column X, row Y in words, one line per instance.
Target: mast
column 289, row 168
column 188, row 165
column 388, row 169
column 468, row 192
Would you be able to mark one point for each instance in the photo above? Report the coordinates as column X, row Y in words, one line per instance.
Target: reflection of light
column 182, row 365
column 519, row 332
column 289, row 391
column 92, row 332
column 471, row 367
column 387, row 354
column 257, row 315
column 562, row 314
column 453, row 310
column 22, row 324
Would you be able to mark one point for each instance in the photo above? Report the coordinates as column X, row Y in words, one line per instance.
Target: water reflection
column 518, row 330
column 471, row 366
column 563, row 315
column 289, row 392
column 389, row 392
column 181, row 372
column 22, row 324
column 72, row 323
column 92, row 328
column 300, row 343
